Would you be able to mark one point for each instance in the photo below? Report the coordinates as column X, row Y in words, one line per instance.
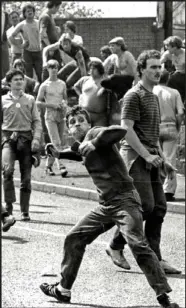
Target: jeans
column 9, row 154
column 56, row 132
column 33, row 59
column 119, row 84
column 5, row 65
column 70, row 73
column 126, row 214
column 149, row 186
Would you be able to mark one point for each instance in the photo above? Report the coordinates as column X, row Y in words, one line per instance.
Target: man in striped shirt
column 143, row 156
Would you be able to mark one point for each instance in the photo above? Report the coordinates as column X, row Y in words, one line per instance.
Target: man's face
column 52, row 70
column 78, row 126
column 14, row 19
column 29, row 13
column 20, row 67
column 103, row 55
column 171, row 49
column 17, row 82
column 114, row 48
column 66, row 44
column 152, row 72
column 55, row 9
column 94, row 72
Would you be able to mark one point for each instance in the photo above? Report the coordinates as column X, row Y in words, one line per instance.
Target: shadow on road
column 36, row 212
column 41, row 205
column 18, row 240
column 101, row 306
column 180, row 276
column 49, row 223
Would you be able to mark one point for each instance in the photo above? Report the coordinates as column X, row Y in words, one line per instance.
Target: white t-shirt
column 177, row 60
column 18, row 38
column 124, row 64
column 170, row 103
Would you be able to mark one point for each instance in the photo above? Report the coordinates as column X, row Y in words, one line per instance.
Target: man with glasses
column 52, row 95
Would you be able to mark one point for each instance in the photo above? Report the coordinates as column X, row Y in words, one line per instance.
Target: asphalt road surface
column 33, row 249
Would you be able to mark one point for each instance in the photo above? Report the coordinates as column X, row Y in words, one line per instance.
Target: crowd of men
column 125, row 127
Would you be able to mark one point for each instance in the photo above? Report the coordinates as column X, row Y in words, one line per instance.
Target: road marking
column 54, row 234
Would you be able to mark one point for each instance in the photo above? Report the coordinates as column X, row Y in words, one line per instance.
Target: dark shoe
column 36, row 160
column 63, row 171
column 8, row 222
column 49, row 171
column 52, row 290
column 118, row 258
column 170, row 197
column 25, row 217
column 164, row 301
column 168, row 269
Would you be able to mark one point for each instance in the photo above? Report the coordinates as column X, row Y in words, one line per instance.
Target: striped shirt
column 142, row 107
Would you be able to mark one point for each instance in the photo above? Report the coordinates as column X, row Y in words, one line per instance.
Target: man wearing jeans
column 29, row 28
column 119, row 204
column 21, row 134
column 143, row 157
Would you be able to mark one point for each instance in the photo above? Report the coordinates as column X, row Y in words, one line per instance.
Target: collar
column 13, row 97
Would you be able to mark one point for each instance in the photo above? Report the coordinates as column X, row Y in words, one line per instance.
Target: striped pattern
column 142, row 107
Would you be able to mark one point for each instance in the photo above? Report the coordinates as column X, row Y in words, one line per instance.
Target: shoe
column 52, row 290
column 118, row 258
column 63, row 171
column 8, row 222
column 25, row 217
column 36, row 160
column 169, row 269
column 170, row 197
column 49, row 171
column 164, row 301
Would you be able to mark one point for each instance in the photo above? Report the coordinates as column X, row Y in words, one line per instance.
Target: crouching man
column 119, row 205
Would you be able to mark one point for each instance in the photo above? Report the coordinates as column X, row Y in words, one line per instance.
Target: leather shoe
column 118, row 258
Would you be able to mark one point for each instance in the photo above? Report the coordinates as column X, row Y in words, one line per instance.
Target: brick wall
column 139, row 33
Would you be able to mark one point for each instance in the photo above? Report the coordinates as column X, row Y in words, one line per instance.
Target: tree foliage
column 68, row 9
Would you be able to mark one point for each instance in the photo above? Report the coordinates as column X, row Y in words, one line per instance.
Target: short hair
column 173, row 41
column 14, row 12
column 28, row 6
column 51, row 4
column 164, row 77
column 71, row 25
column 75, row 111
column 98, row 65
column 144, row 56
column 52, row 62
column 18, row 61
column 11, row 73
column 65, row 37
column 106, row 49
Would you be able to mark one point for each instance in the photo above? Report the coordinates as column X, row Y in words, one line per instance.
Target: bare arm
column 47, row 49
column 40, row 100
column 133, row 140
column 81, row 63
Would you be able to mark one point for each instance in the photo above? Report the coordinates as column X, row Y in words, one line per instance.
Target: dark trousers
column 149, row 186
column 33, row 59
column 9, row 154
column 5, row 65
column 177, row 81
column 126, row 214
column 119, row 84
column 70, row 73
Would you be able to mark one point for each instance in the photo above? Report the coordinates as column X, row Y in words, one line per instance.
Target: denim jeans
column 33, row 59
column 9, row 154
column 126, row 214
column 148, row 183
column 56, row 132
column 70, row 73
column 5, row 65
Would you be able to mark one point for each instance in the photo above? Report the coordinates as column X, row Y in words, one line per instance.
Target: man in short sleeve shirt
column 143, row 156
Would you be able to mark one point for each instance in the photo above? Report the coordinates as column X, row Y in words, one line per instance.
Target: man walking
column 21, row 134
column 143, row 157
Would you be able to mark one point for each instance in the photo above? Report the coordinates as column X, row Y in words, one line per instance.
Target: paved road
column 29, row 248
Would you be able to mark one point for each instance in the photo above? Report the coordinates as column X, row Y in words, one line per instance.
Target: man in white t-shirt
column 16, row 49
column 172, row 113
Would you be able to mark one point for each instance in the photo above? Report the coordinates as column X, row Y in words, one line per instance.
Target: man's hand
column 154, row 160
column 86, row 147
column 170, row 170
column 35, row 145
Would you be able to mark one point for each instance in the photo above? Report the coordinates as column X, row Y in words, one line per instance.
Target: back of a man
column 172, row 113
